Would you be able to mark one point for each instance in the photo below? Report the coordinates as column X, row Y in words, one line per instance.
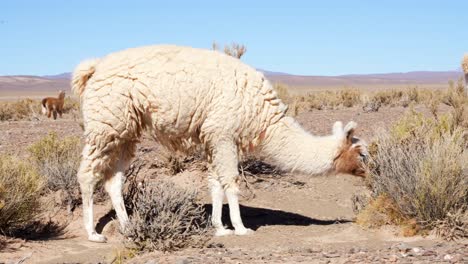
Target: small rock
column 393, row 258
column 183, row 261
column 417, row 250
column 457, row 259
column 403, row 247
column 314, row 250
column 448, row 257
column 429, row 253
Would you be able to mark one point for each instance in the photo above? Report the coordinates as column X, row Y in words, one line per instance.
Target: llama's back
column 179, row 92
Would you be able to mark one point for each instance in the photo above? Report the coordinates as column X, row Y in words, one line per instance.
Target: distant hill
column 410, row 78
column 42, row 85
column 65, row 75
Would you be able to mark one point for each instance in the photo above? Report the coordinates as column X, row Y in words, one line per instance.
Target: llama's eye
column 364, row 157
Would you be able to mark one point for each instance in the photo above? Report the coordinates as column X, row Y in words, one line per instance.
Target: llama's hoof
column 98, row 238
column 223, row 232
column 244, row 232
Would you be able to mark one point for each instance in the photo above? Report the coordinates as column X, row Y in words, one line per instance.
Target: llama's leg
column 88, row 180
column 114, row 184
column 217, row 196
column 49, row 112
column 55, row 114
column 225, row 163
column 114, row 187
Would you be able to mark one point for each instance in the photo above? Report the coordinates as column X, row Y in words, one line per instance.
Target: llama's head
column 61, row 94
column 352, row 154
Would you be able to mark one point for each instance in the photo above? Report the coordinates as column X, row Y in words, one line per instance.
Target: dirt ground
column 296, row 218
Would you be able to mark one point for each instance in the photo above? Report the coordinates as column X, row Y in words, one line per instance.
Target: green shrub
column 58, row 159
column 20, row 190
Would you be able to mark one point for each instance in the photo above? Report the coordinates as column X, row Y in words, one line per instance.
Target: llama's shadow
column 254, row 217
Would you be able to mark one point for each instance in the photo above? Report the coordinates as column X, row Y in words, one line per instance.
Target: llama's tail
column 43, row 104
column 465, row 64
column 83, row 72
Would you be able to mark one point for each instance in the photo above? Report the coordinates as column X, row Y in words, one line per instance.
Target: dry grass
column 166, row 218
column 380, row 211
column 177, row 162
column 234, row 49
column 370, row 101
column 419, row 169
column 19, row 110
column 28, row 109
column 20, row 190
column 71, row 105
column 57, row 159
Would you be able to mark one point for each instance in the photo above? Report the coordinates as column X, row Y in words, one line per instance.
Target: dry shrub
column 166, row 218
column 421, row 167
column 57, row 159
column 234, row 49
column 19, row 110
column 174, row 162
column 380, row 211
column 3, row 242
column 282, row 91
column 70, row 105
column 387, row 98
column 454, row 226
column 20, row 190
column 458, row 100
column 349, row 97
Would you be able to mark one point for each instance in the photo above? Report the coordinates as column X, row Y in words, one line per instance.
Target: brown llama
column 52, row 105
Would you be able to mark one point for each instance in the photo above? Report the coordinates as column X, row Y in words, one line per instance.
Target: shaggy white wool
column 187, row 96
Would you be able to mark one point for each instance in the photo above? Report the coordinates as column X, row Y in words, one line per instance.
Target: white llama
column 184, row 94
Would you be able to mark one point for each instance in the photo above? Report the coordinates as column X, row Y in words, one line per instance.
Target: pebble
column 183, row 261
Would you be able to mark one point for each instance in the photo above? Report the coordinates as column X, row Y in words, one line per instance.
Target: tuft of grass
column 58, row 159
column 166, row 218
column 20, row 189
column 381, row 210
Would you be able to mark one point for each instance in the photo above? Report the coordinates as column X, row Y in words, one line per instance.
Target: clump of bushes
column 58, row 159
column 27, row 109
column 166, row 218
column 71, row 104
column 419, row 173
column 22, row 109
column 370, row 101
column 20, row 191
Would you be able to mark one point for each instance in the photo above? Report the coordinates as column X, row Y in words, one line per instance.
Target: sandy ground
column 296, row 218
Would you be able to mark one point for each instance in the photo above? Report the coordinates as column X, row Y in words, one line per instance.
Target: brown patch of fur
column 54, row 105
column 348, row 159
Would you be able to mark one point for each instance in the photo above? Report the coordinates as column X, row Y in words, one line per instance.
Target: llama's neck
column 290, row 147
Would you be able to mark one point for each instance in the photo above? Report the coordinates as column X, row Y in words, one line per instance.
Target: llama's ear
column 349, row 130
column 337, row 128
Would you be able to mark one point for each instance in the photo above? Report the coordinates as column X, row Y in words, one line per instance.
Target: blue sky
column 299, row 37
